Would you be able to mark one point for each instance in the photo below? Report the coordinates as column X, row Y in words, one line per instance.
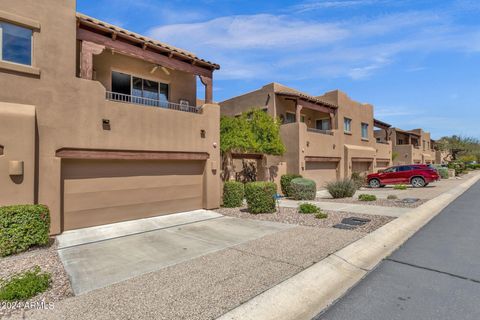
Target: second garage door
column 99, row 192
column 361, row 167
column 321, row 172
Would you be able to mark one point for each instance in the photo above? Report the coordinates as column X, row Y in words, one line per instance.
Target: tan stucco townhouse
column 100, row 123
column 327, row 137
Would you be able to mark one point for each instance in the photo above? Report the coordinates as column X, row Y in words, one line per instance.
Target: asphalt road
column 434, row 275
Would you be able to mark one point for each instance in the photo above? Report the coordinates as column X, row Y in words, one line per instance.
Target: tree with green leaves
column 253, row 131
column 458, row 146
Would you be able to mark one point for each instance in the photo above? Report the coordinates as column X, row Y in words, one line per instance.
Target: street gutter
column 311, row 291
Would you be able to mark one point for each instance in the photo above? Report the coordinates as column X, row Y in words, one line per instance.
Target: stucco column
column 207, row 82
column 332, row 116
column 298, row 111
column 88, row 50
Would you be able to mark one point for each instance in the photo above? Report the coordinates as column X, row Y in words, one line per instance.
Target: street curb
column 311, row 291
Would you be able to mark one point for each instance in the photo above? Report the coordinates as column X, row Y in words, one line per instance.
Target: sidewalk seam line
column 353, row 265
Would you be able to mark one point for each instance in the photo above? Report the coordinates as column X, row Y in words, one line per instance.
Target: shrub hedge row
column 261, row 197
column 233, row 194
column 23, row 226
column 303, row 189
column 285, row 183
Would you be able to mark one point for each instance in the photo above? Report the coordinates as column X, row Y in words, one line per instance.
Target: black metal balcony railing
column 383, row 142
column 329, row 132
column 120, row 97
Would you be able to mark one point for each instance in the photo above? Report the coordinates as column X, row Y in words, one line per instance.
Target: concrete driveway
column 100, row 256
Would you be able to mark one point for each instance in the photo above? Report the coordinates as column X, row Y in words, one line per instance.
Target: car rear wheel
column 374, row 183
column 418, row 182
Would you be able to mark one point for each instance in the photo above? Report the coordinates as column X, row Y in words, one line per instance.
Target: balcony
column 120, row 97
column 328, row 132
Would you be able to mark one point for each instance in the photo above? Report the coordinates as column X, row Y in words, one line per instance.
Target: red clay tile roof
column 98, row 24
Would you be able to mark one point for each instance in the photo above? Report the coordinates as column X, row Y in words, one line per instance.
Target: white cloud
column 316, row 5
column 275, row 47
column 261, row 31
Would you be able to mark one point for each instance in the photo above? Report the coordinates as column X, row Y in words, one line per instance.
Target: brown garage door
column 321, row 172
column 361, row 167
column 382, row 164
column 105, row 191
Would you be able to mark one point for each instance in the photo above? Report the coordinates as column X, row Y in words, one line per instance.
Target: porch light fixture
column 203, row 133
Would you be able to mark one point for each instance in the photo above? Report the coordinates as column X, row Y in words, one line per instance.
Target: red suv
column 418, row 175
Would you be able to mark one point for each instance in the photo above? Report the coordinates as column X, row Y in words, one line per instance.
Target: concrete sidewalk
column 311, row 291
column 351, row 207
column 434, row 275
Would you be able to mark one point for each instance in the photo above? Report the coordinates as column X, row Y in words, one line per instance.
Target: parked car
column 418, row 175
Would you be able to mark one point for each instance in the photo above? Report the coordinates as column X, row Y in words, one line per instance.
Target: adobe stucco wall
column 70, row 110
column 301, row 143
column 17, row 138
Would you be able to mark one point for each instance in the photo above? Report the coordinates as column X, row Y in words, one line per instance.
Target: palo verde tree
column 458, row 146
column 254, row 131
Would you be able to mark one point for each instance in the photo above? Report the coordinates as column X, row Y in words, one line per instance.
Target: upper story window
column 322, row 124
column 149, row 90
column 15, row 43
column 364, row 131
column 290, row 117
column 347, row 125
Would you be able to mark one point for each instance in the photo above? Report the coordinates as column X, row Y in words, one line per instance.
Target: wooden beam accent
column 383, row 159
column 322, row 159
column 105, row 154
column 129, row 49
column 316, row 107
column 1, row 150
column 114, row 35
column 247, row 156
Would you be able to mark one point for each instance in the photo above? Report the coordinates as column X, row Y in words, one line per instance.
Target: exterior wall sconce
column 203, row 133
column 106, row 124
column 308, row 143
column 15, row 168
column 214, row 144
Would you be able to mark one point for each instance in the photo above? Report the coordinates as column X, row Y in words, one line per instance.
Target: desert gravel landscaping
column 208, row 286
column 291, row 215
column 379, row 202
column 47, row 259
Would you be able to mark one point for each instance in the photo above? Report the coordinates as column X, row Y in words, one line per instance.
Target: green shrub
column 392, row 197
column 321, row 215
column 458, row 166
column 443, row 172
column 23, row 226
column 342, row 188
column 233, row 194
column 303, row 189
column 261, row 197
column 25, row 285
column 358, row 180
column 367, row 197
column 308, row 208
column 285, row 183
column 400, row 187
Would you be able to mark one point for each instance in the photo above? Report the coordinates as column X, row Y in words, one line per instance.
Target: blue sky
column 416, row 61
